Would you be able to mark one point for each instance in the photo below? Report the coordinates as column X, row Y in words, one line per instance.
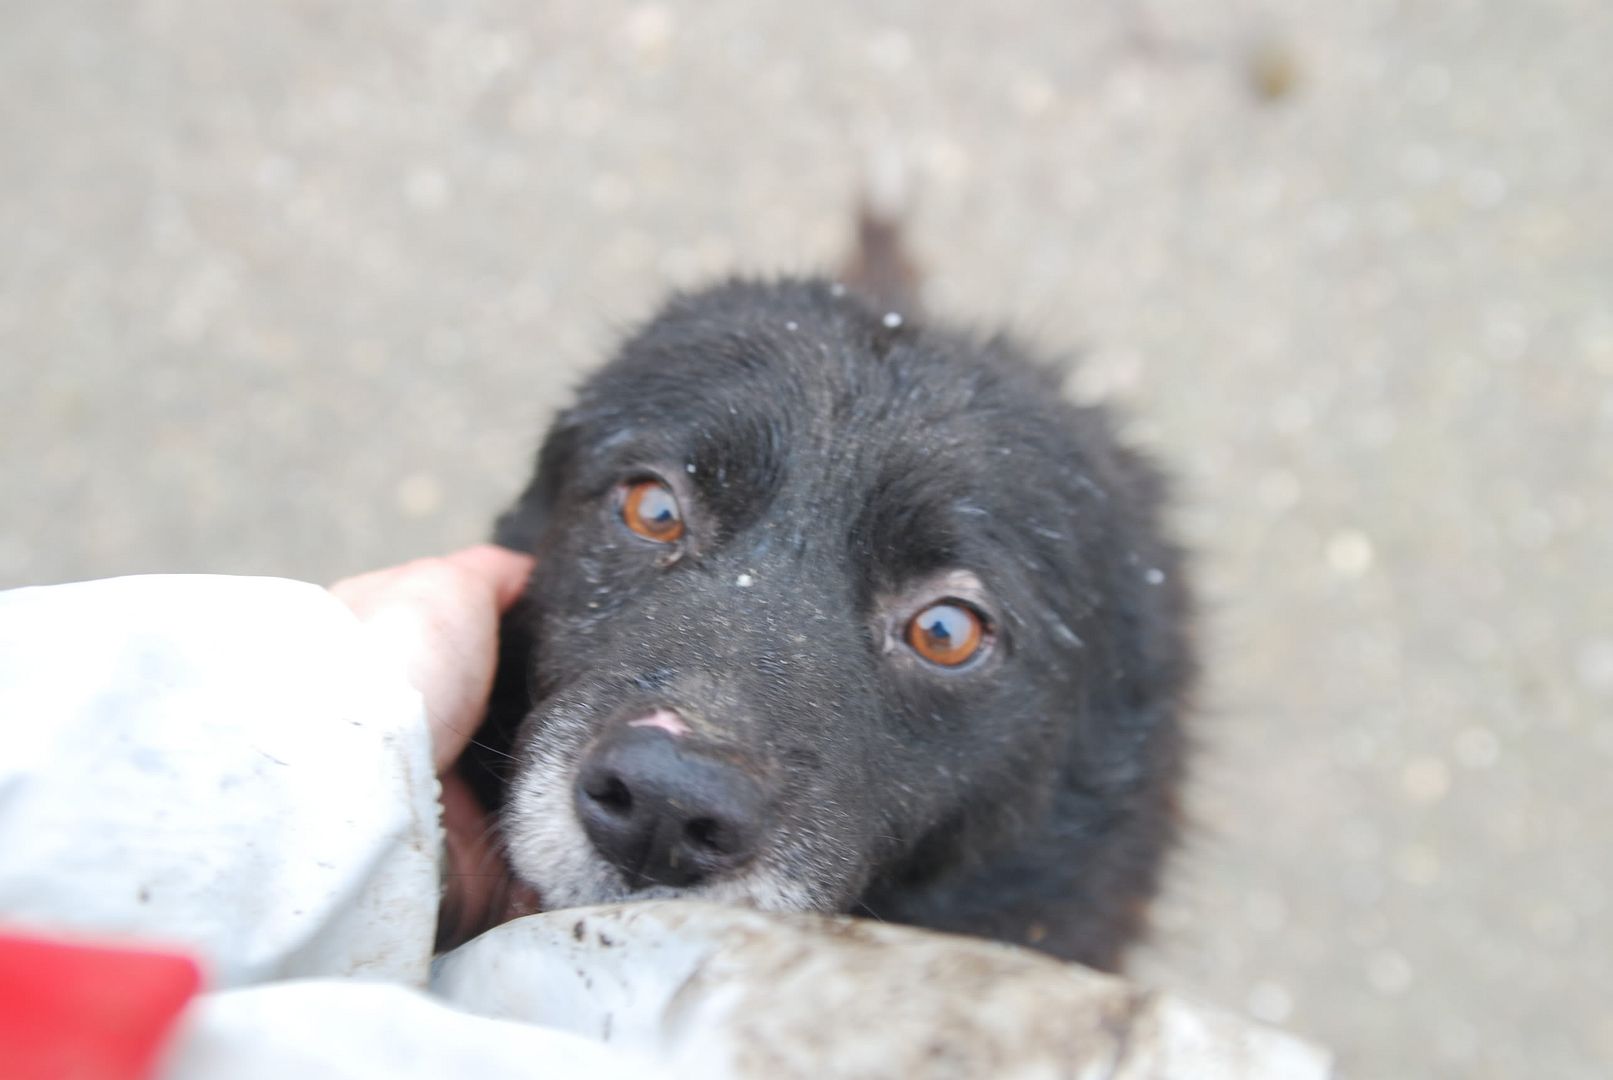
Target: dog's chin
column 549, row 851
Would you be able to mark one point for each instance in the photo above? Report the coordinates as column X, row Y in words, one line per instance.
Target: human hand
column 440, row 618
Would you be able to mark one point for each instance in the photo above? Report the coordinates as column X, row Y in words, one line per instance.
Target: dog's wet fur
column 837, row 470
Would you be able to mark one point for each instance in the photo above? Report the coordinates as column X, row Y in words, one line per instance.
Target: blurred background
column 291, row 288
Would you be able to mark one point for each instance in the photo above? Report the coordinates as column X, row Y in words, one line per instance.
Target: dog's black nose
column 664, row 812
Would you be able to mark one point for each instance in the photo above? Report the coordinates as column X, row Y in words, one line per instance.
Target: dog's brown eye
column 947, row 634
column 651, row 510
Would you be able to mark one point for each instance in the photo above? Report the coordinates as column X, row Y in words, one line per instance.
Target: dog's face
column 823, row 601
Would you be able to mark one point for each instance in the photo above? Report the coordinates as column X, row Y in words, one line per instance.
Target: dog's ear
column 880, row 269
column 521, row 526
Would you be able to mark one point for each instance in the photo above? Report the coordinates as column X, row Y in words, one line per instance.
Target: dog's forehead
column 815, row 411
column 807, row 363
column 787, row 402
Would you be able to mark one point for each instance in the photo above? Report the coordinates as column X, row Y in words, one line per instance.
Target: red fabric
column 78, row 1012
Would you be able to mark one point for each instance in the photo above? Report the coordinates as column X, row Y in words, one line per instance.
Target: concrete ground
column 291, row 288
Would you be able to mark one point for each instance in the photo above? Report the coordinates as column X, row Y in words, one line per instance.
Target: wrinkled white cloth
column 189, row 758
column 227, row 767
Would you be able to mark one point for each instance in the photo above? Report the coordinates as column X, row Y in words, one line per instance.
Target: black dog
column 837, row 612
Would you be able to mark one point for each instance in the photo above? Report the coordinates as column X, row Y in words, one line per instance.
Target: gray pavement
column 291, row 288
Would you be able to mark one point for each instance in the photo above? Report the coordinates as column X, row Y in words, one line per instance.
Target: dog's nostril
column 610, row 793
column 705, row 833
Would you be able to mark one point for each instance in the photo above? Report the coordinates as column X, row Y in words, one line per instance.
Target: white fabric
column 188, row 758
column 724, row 993
column 225, row 766
column 331, row 1029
